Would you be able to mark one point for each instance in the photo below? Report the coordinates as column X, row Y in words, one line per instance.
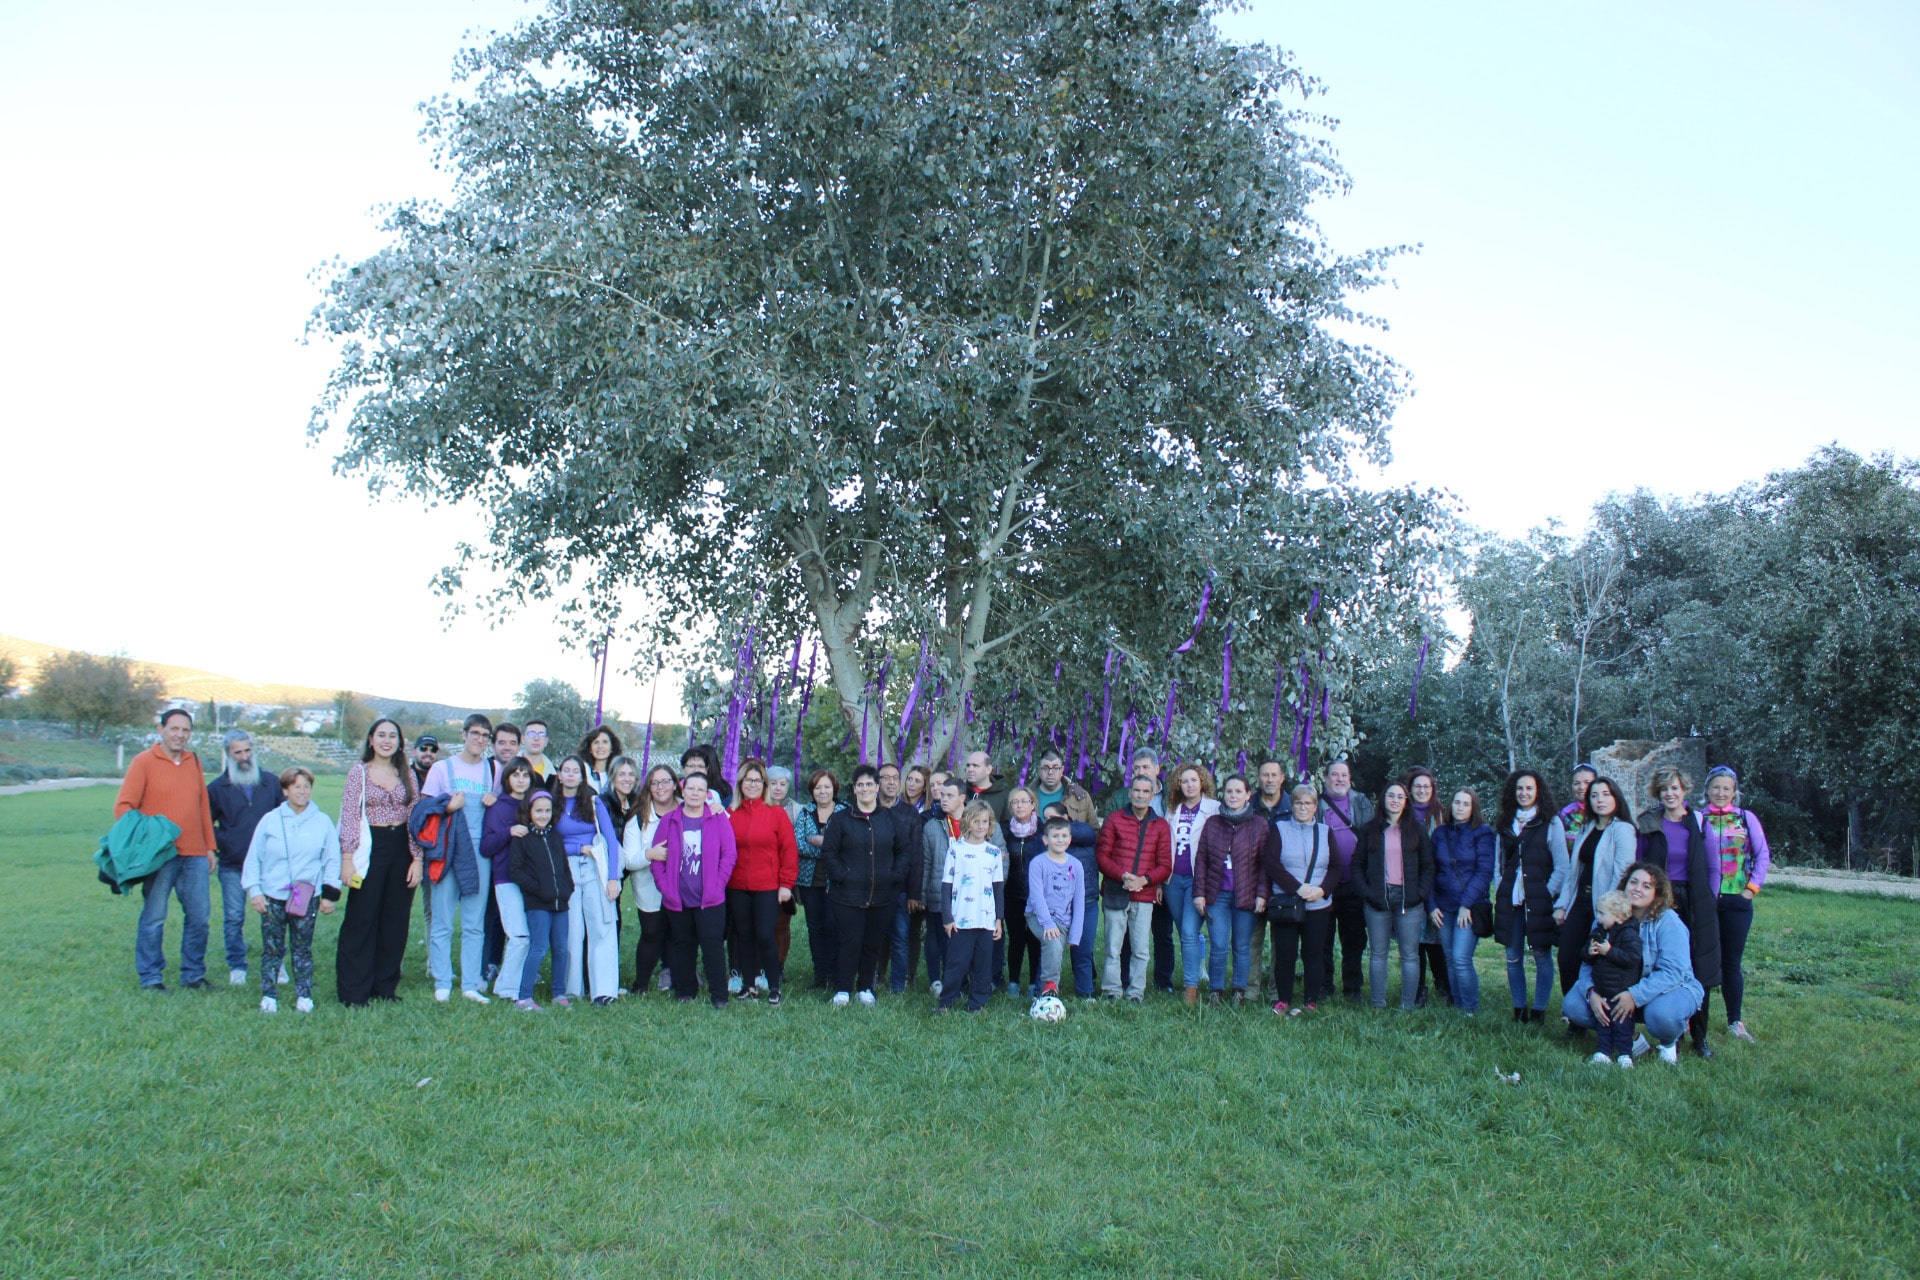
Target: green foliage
column 653, row 1138
column 1004, row 323
column 568, row 714
column 9, row 675
column 1780, row 622
column 91, row 693
column 352, row 717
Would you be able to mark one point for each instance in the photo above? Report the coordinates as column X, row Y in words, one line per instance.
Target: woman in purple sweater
column 497, row 831
column 694, row 854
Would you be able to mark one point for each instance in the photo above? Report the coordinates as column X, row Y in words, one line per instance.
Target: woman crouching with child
column 1664, row 994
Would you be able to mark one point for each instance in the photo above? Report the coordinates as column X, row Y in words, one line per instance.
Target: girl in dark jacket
column 1463, row 866
column 537, row 863
column 1677, row 843
column 1533, row 865
column 865, row 851
column 1393, row 870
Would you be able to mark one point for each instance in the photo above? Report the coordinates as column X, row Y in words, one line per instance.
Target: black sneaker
column 603, row 1000
column 773, row 999
column 198, row 984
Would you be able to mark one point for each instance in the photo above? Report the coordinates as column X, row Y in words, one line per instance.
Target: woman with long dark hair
column 1423, row 798
column 497, row 833
column 632, row 810
column 1533, row 867
column 1602, row 852
column 599, row 749
column 379, row 865
column 586, row 831
column 1463, row 861
column 1393, row 869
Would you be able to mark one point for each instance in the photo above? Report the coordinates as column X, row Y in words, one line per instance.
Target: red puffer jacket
column 769, row 855
column 1121, row 835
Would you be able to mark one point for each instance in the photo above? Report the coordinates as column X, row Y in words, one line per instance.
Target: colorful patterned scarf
column 1573, row 820
column 1730, row 827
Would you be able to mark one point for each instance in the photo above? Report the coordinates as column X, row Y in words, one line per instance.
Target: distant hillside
column 206, row 686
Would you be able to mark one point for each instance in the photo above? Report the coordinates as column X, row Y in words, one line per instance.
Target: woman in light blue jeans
column 1463, row 860
column 1393, row 869
column 1191, row 806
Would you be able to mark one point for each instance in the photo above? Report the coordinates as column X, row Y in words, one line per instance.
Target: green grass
column 192, row 1136
column 77, row 758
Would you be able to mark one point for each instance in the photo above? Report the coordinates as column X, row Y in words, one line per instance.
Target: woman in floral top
column 809, row 831
column 381, row 878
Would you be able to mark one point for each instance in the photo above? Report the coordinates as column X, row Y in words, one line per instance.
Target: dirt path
column 1847, row 882
column 56, row 784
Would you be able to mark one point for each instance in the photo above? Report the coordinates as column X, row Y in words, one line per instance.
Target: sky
column 1658, row 245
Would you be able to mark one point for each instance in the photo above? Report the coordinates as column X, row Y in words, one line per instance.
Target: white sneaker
column 733, row 984
column 303, row 1005
column 841, row 999
column 866, row 998
column 476, row 997
column 236, row 977
column 1670, row 1054
column 442, row 994
column 283, row 979
column 666, row 980
column 1601, row 1060
column 936, row 987
column 1624, row 1060
column 269, row 1005
column 1640, row 1045
column 760, row 983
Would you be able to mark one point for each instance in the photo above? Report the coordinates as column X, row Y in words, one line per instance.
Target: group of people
column 532, row 860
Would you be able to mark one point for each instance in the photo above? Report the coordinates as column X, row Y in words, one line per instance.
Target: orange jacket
column 157, row 784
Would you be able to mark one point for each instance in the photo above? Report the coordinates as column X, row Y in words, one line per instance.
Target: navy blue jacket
column 1463, row 866
column 455, row 843
column 235, row 816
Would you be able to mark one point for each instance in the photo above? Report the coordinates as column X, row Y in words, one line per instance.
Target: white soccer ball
column 1048, row 1009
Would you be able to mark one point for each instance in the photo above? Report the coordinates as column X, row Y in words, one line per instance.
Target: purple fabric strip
column 1206, row 594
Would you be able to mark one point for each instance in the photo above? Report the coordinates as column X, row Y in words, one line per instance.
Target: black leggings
column 648, row 951
column 1350, row 923
column 1736, row 921
column 1573, row 937
column 1020, row 943
column 707, row 927
column 863, row 932
column 1309, row 936
column 755, row 917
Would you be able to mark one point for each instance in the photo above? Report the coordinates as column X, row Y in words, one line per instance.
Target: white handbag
column 363, row 855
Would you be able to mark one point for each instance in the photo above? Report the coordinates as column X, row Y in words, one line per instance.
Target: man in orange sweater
column 168, row 781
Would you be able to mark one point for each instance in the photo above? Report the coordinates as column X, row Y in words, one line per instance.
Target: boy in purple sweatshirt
column 1056, row 902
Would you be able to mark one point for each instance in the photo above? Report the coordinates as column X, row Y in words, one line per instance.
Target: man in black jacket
column 902, row 958
column 239, row 797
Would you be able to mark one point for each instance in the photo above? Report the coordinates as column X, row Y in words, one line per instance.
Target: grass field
column 190, row 1135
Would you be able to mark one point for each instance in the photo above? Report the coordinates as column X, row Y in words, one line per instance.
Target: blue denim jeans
column 472, row 910
column 898, row 951
column 233, row 916
column 513, row 919
column 1459, row 945
column 189, row 880
column 546, row 932
column 1228, row 927
column 1187, row 921
column 1083, row 953
column 1543, row 970
column 1665, row 1016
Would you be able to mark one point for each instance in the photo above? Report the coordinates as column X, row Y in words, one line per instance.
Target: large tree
column 1001, row 322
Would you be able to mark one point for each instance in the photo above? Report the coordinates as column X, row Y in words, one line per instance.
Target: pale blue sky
column 1662, row 244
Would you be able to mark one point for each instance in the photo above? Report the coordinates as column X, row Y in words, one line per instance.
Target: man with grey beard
column 239, row 796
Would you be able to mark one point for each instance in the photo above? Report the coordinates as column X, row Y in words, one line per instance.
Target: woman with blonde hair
column 1676, row 842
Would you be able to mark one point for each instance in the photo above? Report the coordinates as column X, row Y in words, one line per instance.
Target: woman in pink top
column 1393, row 870
column 380, row 879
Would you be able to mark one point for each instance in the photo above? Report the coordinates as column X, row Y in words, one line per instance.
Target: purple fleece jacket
column 717, row 853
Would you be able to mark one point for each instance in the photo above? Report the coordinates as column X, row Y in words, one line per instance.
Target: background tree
column 352, row 717
column 9, row 676
column 1000, row 323
column 92, row 693
column 568, row 714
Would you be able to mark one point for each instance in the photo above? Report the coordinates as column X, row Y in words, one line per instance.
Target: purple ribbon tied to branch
column 1206, row 594
column 1419, row 665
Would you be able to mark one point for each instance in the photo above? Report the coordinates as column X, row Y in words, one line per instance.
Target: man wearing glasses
column 426, row 754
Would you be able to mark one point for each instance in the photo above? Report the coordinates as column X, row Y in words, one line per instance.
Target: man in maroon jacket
column 1135, row 853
